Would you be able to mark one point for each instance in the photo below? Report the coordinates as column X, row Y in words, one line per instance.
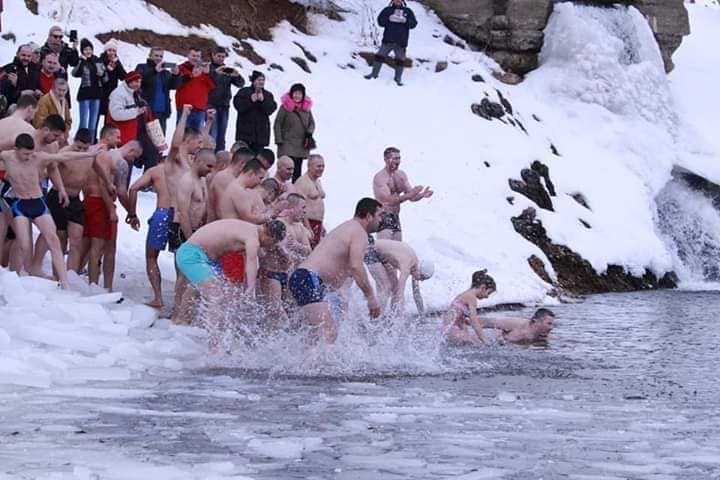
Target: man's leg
column 47, row 229
column 272, row 294
column 383, row 283
column 320, row 321
column 4, row 223
column 379, row 58
column 109, row 261
column 153, row 272
column 22, row 246
column 97, row 246
column 399, row 64
column 75, row 246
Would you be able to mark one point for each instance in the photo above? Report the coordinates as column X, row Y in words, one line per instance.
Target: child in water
column 463, row 311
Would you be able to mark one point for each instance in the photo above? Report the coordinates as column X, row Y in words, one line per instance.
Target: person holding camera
column 115, row 73
column 158, row 78
column 219, row 98
column 193, row 88
column 294, row 127
column 92, row 74
column 67, row 54
column 254, row 105
column 397, row 20
column 21, row 76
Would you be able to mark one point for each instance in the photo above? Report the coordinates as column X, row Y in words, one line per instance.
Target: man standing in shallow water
column 338, row 257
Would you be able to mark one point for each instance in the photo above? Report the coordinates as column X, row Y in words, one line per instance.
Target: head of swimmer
column 269, row 190
column 27, row 107
column 367, row 212
column 254, row 172
column 483, row 284
column 271, row 233
column 542, row 321
column 392, row 159
column 131, row 151
column 24, row 146
column 204, row 161
column 110, row 135
column 192, row 140
column 296, row 207
column 52, row 129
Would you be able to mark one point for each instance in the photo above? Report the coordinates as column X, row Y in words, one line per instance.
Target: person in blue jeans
column 219, row 97
column 93, row 75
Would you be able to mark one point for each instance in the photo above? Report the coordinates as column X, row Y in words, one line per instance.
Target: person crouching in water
column 522, row 331
column 463, row 312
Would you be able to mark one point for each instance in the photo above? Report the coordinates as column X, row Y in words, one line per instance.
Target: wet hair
column 242, row 155
column 367, row 206
column 267, row 155
column 540, row 313
column 252, row 165
column 389, row 151
column 83, row 135
column 25, row 141
column 190, row 132
column 26, row 101
column 276, row 229
column 54, row 123
column 107, row 129
column 482, row 279
column 272, row 186
column 295, row 198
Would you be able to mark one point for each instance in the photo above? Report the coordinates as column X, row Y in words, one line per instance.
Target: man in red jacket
column 194, row 85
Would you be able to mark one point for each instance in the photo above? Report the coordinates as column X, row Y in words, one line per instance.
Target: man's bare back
column 229, row 235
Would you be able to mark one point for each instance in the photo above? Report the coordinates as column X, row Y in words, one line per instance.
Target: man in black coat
column 219, row 97
column 157, row 81
column 254, row 105
column 21, row 76
column 67, row 55
column 397, row 20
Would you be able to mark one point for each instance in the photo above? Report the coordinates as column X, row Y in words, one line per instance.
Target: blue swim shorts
column 195, row 264
column 159, row 225
column 306, row 287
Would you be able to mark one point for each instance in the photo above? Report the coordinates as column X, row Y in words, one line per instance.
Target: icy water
column 627, row 388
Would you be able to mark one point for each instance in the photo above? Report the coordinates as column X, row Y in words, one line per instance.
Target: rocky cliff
column 511, row 31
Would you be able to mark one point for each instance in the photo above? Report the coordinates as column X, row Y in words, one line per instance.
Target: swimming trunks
column 74, row 212
column 194, row 262
column 232, row 265
column 307, row 287
column 317, row 229
column 97, row 219
column 159, row 228
column 390, row 221
column 371, row 255
column 281, row 277
column 31, row 208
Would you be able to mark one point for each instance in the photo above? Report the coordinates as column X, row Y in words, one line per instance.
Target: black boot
column 398, row 74
column 377, row 65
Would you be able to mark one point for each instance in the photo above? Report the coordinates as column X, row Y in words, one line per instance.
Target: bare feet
column 41, row 274
column 155, row 303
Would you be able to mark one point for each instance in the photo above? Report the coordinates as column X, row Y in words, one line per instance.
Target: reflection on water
column 627, row 388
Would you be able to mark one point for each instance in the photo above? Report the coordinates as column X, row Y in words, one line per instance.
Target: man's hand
column 210, row 114
column 159, row 67
column 13, row 78
column 175, row 70
column 133, row 221
column 373, row 307
column 112, row 190
column 186, row 110
column 113, row 217
column 63, row 198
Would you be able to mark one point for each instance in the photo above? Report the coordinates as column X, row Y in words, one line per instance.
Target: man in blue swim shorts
column 338, row 256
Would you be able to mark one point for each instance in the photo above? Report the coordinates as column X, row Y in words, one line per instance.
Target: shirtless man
column 399, row 262
column 196, row 260
column 192, row 204
column 283, row 175
column 310, row 187
column 100, row 213
column 338, row 257
column 269, row 192
column 392, row 188
column 240, row 199
column 220, row 182
column 23, row 167
column 522, row 331
column 222, row 160
column 158, row 226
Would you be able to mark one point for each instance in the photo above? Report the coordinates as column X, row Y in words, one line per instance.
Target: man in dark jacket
column 219, row 97
column 254, row 105
column 67, row 55
column 157, row 81
column 21, row 76
column 397, row 20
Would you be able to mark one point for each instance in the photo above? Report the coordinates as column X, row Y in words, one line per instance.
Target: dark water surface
column 627, row 388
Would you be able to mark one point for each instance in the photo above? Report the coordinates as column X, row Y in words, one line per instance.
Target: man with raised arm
column 22, row 170
column 391, row 187
column 338, row 257
column 222, row 179
column 310, row 187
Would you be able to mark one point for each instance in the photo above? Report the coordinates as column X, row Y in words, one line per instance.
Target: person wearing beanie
column 193, row 88
column 294, row 127
column 397, row 20
column 92, row 74
column 115, row 73
column 125, row 107
column 219, row 98
column 254, row 105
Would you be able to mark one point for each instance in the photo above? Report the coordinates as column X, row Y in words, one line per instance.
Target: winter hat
column 298, row 87
column 111, row 44
column 133, row 76
column 255, row 75
column 84, row 43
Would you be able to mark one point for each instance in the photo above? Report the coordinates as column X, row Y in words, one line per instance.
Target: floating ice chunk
column 276, row 448
column 102, row 299
column 4, row 338
column 484, row 474
column 172, row 364
column 507, row 397
column 143, row 316
column 382, row 417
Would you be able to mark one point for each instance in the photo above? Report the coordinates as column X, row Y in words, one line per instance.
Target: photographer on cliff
column 397, row 20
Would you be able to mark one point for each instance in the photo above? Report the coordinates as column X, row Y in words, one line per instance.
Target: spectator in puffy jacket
column 157, row 81
column 193, row 88
column 293, row 124
column 219, row 99
column 67, row 55
column 21, row 76
column 125, row 107
column 92, row 74
column 397, row 20
column 115, row 73
column 254, row 105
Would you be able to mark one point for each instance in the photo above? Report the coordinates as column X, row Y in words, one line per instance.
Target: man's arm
column 120, row 179
column 245, row 211
column 398, row 297
column 184, row 197
column 208, row 141
column 47, row 158
column 476, row 324
column 251, row 265
column 54, row 174
column 177, row 139
column 417, row 296
column 382, row 192
column 144, row 181
column 358, row 246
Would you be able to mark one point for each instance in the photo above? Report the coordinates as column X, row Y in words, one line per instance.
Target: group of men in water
column 225, row 219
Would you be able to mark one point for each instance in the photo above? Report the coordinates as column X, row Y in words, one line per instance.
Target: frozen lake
column 628, row 388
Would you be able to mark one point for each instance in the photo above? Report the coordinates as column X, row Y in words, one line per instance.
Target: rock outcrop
column 511, row 31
